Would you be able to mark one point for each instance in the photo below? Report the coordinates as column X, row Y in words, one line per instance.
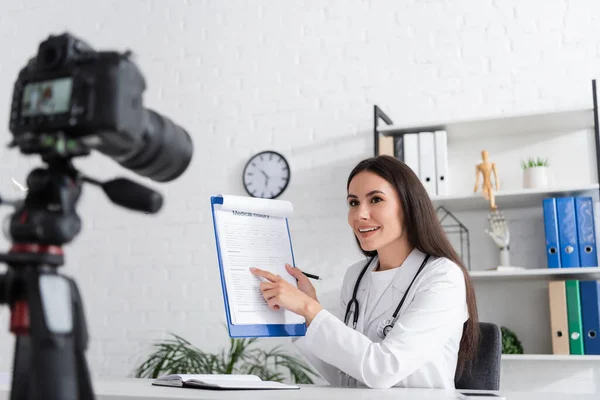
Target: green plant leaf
column 510, row 342
column 173, row 355
column 534, row 162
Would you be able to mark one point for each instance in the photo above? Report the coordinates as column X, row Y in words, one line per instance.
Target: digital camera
column 70, row 99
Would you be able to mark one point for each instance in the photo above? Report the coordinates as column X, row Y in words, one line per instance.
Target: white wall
column 299, row 77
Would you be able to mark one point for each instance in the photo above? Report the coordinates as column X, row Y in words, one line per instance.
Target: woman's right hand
column 304, row 283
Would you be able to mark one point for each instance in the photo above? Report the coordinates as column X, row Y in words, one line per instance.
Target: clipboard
column 249, row 330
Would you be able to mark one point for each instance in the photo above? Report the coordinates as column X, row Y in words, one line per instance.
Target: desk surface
column 131, row 389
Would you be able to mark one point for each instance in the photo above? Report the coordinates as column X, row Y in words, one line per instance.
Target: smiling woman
column 377, row 218
column 410, row 313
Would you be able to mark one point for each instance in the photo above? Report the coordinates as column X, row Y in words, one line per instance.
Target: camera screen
column 46, row 97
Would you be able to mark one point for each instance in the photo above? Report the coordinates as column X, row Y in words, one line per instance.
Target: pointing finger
column 264, row 274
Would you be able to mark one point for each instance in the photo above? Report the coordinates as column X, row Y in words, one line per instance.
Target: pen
column 311, row 276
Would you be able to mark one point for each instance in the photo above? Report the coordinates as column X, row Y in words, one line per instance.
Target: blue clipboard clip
column 246, row 330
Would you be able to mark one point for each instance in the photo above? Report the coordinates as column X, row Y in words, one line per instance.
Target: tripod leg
column 13, row 293
column 21, row 368
column 56, row 370
column 81, row 343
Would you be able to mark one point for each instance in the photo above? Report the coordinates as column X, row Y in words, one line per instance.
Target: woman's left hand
column 279, row 293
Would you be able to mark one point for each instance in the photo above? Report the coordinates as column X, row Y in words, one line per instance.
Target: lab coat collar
column 407, row 271
column 401, row 280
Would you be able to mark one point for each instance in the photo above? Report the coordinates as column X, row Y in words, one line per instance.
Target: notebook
column 253, row 232
column 220, row 382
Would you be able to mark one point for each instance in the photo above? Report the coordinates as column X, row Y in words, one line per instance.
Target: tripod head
column 68, row 101
column 48, row 219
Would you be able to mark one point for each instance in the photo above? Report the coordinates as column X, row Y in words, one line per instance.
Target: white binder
column 411, row 151
column 427, row 173
column 441, row 162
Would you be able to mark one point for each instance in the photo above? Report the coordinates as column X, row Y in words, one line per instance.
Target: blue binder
column 245, row 330
column 551, row 233
column 567, row 232
column 586, row 231
column 590, row 315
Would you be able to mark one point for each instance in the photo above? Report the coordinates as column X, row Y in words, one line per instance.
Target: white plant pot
column 535, row 178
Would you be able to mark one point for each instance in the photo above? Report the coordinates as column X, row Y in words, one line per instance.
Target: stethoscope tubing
column 353, row 303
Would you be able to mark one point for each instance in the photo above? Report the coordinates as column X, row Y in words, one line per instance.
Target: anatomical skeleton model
column 498, row 227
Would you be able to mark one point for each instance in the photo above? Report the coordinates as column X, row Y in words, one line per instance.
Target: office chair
column 484, row 373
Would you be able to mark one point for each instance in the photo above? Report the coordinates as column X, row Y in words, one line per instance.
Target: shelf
column 510, row 198
column 549, row 357
column 540, row 273
column 559, row 121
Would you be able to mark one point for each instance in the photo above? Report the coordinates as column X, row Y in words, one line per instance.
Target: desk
column 133, row 389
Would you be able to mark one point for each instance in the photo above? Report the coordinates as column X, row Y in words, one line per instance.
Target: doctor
column 408, row 312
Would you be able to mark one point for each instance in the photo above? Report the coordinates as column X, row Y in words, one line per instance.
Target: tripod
column 46, row 308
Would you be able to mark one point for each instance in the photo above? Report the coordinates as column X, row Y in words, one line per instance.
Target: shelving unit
column 510, row 199
column 548, row 357
column 559, row 121
column 537, row 273
column 517, row 299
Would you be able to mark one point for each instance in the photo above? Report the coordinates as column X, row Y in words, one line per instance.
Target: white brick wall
column 299, row 77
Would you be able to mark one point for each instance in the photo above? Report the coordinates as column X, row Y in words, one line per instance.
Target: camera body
column 70, row 99
column 92, row 97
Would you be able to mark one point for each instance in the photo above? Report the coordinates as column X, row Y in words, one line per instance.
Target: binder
column 567, row 232
column 386, row 145
column 597, row 226
column 590, row 315
column 558, row 317
column 249, row 330
column 427, row 162
column 441, row 162
column 411, row 151
column 399, row 147
column 586, row 231
column 551, row 233
column 574, row 317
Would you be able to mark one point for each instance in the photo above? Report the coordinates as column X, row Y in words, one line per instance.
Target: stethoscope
column 388, row 325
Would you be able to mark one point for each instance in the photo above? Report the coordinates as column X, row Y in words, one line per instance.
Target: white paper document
column 254, row 233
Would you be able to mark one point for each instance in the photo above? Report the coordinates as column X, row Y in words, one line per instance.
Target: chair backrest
column 484, row 371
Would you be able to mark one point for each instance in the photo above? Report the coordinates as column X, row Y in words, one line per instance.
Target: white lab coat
column 422, row 348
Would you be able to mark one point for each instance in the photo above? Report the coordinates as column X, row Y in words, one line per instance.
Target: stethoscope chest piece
column 384, row 327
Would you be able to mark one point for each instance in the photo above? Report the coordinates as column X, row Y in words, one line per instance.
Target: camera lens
column 166, row 153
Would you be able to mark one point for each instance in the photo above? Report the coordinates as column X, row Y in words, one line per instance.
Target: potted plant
column 178, row 356
column 535, row 173
column 510, row 343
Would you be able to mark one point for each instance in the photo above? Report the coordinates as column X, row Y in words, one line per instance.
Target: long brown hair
column 425, row 233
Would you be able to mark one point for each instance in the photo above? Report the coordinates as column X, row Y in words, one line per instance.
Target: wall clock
column 266, row 175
